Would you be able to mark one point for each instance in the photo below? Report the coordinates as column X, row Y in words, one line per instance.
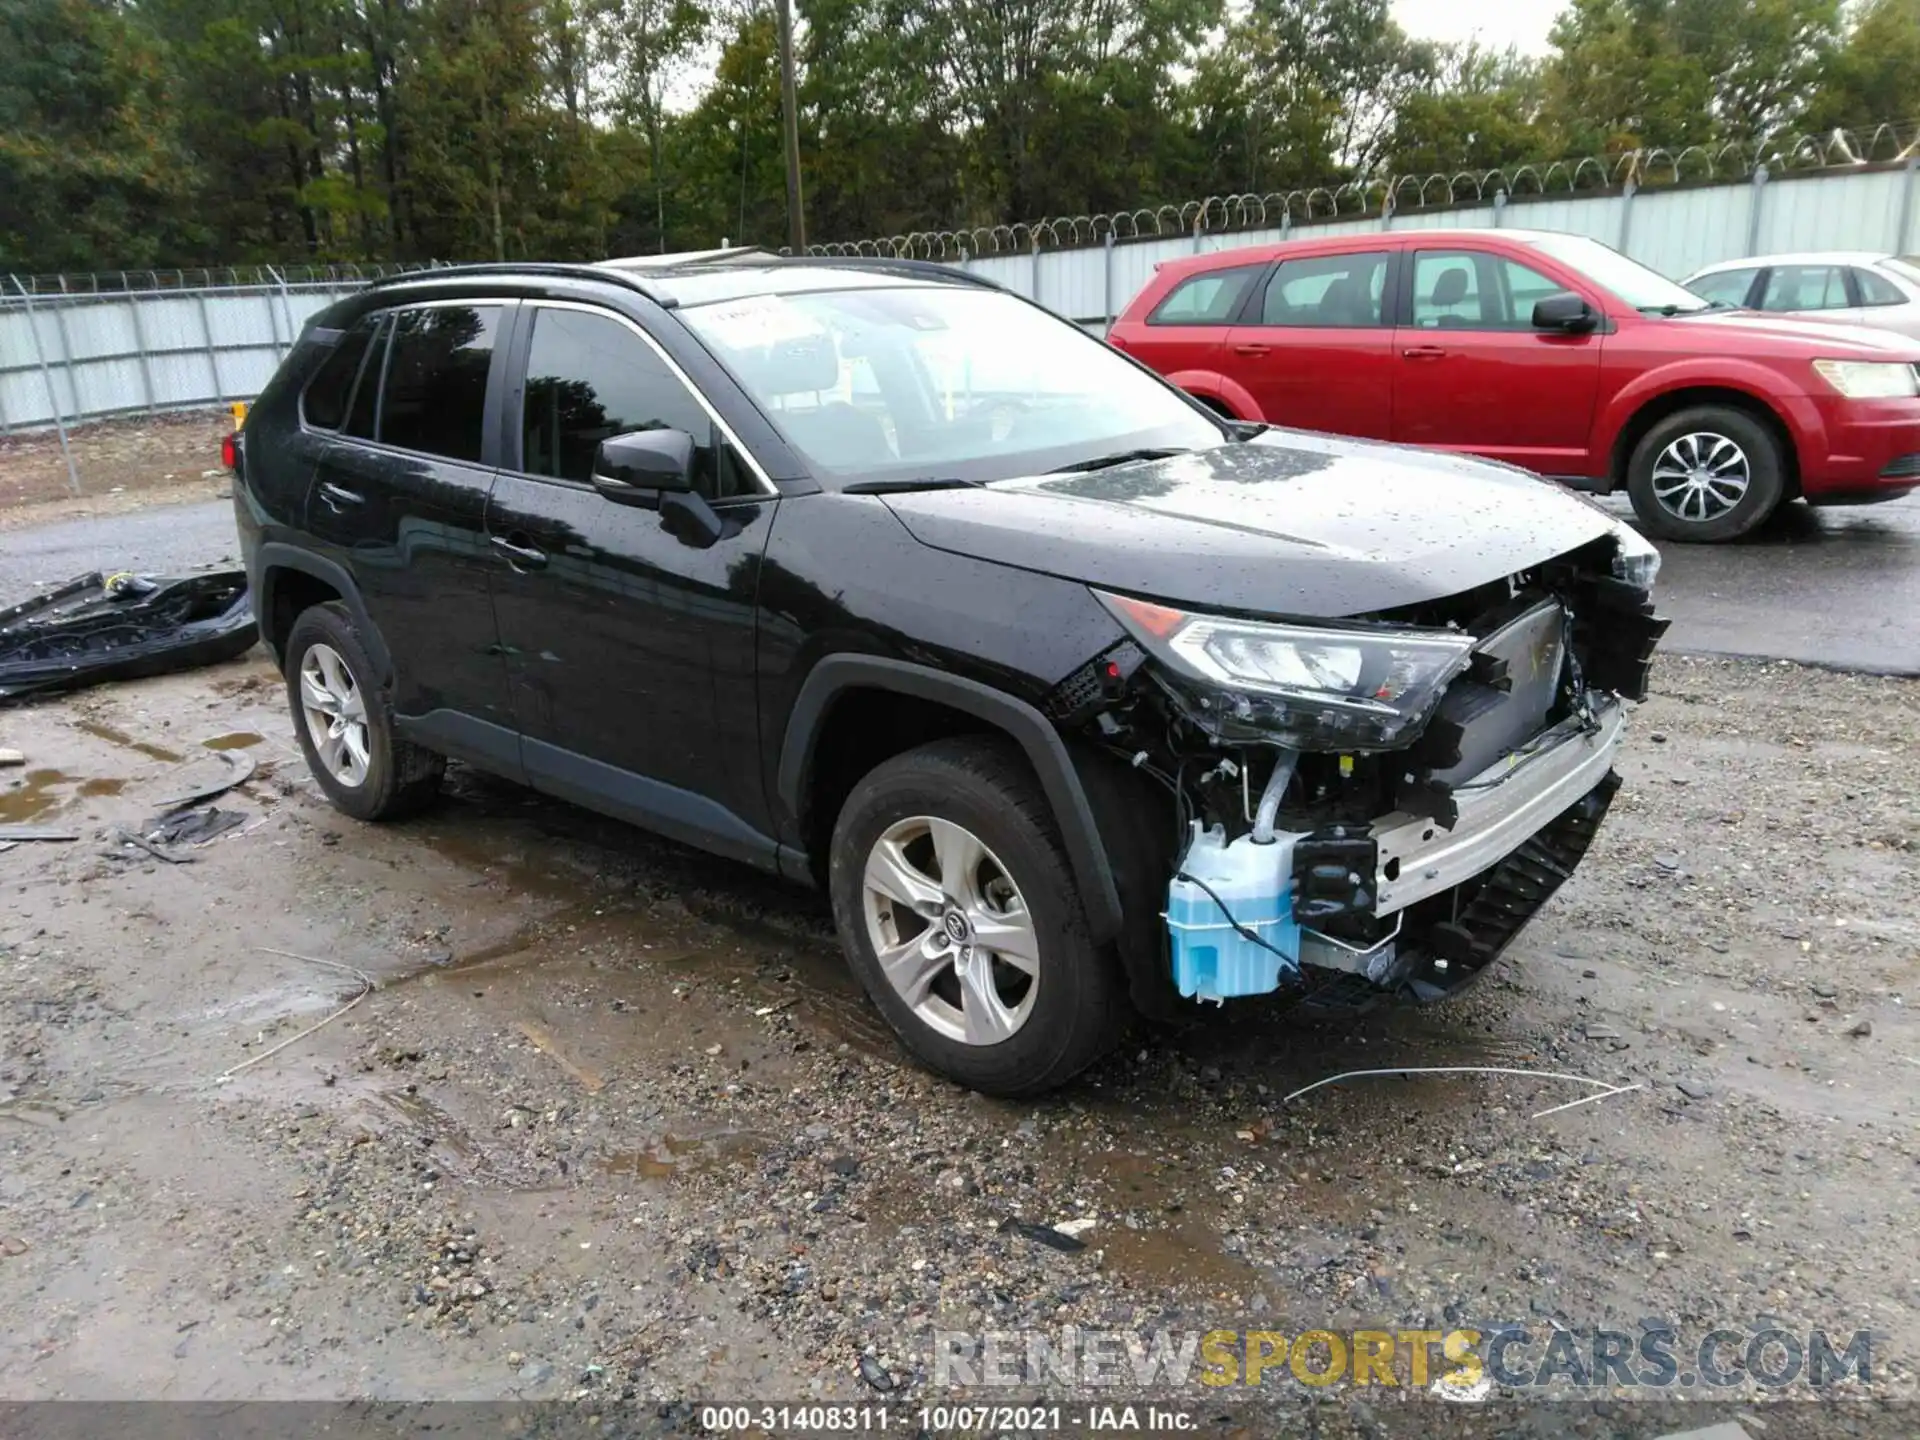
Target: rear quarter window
column 324, row 404
column 1211, row 297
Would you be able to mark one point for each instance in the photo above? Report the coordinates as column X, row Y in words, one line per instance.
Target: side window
column 1333, row 291
column 324, row 405
column 1522, row 287
column 1446, row 292
column 590, row 377
column 366, row 396
column 1724, row 287
column 1806, row 287
column 1209, row 298
column 435, row 395
column 1468, row 290
column 1876, row 289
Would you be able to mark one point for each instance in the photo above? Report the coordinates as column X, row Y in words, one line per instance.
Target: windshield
column 940, row 382
column 1646, row 290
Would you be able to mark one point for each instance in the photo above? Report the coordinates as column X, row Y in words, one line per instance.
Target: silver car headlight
column 1869, row 379
column 1310, row 687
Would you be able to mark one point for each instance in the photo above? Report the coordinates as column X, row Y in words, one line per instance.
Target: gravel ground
column 123, row 465
column 614, row 1123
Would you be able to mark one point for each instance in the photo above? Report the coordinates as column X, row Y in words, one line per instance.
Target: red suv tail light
column 230, row 451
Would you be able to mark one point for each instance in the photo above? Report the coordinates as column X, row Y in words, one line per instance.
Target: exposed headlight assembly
column 1308, row 687
column 1869, row 379
column 1634, row 558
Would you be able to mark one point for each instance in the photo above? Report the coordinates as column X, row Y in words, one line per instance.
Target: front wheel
column 959, row 913
column 1706, row 474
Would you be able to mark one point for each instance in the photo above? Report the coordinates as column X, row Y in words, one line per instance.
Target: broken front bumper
column 1500, row 809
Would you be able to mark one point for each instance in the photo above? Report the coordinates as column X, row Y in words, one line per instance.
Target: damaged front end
column 1374, row 807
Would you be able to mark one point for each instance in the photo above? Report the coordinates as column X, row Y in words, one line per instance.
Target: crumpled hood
column 1289, row 523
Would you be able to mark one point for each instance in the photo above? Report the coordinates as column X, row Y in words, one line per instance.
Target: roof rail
column 618, row 276
column 898, row 265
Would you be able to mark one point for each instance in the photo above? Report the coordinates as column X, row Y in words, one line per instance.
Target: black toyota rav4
column 1076, row 699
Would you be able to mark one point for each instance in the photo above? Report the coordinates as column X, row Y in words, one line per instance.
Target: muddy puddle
column 38, row 793
column 677, row 1153
column 100, row 730
column 237, row 740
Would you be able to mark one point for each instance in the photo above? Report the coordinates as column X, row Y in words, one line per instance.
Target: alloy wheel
column 951, row 930
column 335, row 713
column 1701, row 476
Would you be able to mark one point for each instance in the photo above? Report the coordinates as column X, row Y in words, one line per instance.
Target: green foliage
column 174, row 132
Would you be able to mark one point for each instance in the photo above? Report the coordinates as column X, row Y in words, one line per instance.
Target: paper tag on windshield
column 757, row 322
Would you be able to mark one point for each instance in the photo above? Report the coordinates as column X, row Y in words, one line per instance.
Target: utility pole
column 790, row 113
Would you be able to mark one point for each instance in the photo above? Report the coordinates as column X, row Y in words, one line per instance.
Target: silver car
column 1852, row 286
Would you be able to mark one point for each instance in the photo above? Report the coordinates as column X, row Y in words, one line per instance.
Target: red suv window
column 1211, row 297
column 1327, row 291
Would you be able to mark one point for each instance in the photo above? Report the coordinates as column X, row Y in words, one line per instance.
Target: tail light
column 230, row 451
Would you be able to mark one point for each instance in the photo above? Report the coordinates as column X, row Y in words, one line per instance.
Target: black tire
column 1079, row 1006
column 1765, row 468
column 401, row 778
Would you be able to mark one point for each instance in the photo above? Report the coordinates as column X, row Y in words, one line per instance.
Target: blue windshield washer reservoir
column 1211, row 959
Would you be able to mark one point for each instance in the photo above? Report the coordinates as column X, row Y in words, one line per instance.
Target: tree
column 1871, row 80
column 1480, row 109
column 89, row 161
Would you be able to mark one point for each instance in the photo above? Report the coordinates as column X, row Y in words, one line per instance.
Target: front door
column 1317, row 351
column 400, row 499
column 1473, row 374
column 630, row 648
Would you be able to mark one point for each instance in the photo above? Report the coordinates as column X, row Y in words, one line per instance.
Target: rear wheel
column 1705, row 474
column 345, row 723
column 959, row 913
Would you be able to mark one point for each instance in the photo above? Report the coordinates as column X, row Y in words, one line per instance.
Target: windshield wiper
column 1118, row 457
column 902, row 487
column 1667, row 312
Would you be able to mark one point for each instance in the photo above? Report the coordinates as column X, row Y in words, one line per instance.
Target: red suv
column 1546, row 350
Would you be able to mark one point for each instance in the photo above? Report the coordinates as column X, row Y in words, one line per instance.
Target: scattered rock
column 11, row 757
column 1042, row 1235
column 875, row 1374
column 1824, row 990
column 535, row 1372
column 1693, row 1089
column 1861, row 1028
column 13, row 1245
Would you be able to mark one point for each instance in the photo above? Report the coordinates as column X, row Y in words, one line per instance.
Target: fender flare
column 1796, row 415
column 275, row 556
column 1210, row 385
column 1026, row 726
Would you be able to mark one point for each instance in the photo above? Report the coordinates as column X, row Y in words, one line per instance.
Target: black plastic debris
column 193, row 827
column 122, row 627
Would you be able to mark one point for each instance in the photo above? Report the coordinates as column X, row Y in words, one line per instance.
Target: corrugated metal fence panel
column 109, row 355
column 1866, row 206
column 1678, row 231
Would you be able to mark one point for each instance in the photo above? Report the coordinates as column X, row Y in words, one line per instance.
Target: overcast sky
column 1494, row 23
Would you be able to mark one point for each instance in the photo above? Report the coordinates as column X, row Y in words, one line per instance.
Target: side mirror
column 638, row 467
column 1564, row 311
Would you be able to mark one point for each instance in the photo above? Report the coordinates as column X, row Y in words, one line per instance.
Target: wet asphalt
column 1837, row 587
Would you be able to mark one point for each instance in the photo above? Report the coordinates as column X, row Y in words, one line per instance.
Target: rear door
column 1316, row 350
column 1473, row 374
column 631, row 649
column 400, row 498
column 1183, row 337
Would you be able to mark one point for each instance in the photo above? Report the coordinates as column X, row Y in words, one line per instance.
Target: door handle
column 1253, row 350
column 521, row 557
column 1424, row 352
column 338, row 497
